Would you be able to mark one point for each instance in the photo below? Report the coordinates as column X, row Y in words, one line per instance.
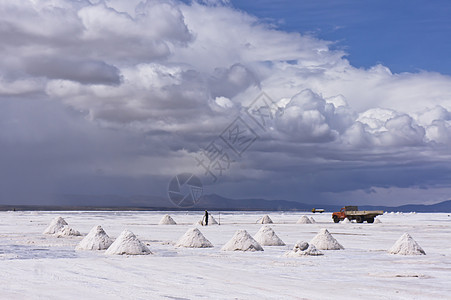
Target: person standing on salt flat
column 210, row 220
column 206, row 218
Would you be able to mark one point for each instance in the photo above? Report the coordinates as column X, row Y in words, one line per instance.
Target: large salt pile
column 193, row 238
column 312, row 220
column 55, row 226
column 325, row 241
column 267, row 237
column 242, row 241
column 406, row 245
column 97, row 239
column 304, row 220
column 303, row 249
column 128, row 243
column 265, row 220
column 67, row 231
column 211, row 221
column 167, row 220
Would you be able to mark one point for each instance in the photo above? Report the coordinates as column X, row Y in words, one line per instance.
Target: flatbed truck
column 353, row 213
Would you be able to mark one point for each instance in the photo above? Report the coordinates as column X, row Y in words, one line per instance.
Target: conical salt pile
column 67, row 231
column 211, row 221
column 127, row 243
column 325, row 241
column 167, row 220
column 193, row 238
column 55, row 226
column 377, row 221
column 97, row 239
column 242, row 241
column 303, row 249
column 267, row 237
column 312, row 220
column 304, row 220
column 265, row 220
column 406, row 245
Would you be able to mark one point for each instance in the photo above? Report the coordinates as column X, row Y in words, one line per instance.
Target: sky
column 310, row 101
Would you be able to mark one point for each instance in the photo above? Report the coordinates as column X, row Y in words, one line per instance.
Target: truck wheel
column 336, row 220
column 370, row 220
column 359, row 219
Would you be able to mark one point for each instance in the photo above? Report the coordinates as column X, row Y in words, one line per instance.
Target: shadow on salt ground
column 10, row 252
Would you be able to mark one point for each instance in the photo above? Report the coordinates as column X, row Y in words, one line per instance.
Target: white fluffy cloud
column 176, row 74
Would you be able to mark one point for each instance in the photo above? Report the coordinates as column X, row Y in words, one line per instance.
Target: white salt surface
column 127, row 243
column 242, row 241
column 406, row 245
column 312, row 220
column 36, row 266
column 325, row 241
column 55, row 225
column 193, row 238
column 97, row 239
column 304, row 220
column 267, row 237
column 167, row 220
column 264, row 220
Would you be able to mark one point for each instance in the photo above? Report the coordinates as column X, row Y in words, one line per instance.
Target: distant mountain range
column 210, row 202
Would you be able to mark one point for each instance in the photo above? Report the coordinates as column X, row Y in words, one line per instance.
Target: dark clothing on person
column 206, row 218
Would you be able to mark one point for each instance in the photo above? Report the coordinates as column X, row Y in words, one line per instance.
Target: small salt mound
column 303, row 249
column 211, row 221
column 242, row 241
column 312, row 220
column 267, row 237
column 346, row 220
column 325, row 241
column 55, row 226
column 304, row 220
column 265, row 220
column 127, row 243
column 377, row 221
column 97, row 239
column 167, row 220
column 67, row 231
column 193, row 238
column 406, row 245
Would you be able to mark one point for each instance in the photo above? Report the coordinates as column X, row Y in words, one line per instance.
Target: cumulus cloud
column 173, row 75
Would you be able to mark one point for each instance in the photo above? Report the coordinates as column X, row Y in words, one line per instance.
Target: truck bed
column 364, row 212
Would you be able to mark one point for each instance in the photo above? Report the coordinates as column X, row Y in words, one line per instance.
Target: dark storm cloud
column 85, row 72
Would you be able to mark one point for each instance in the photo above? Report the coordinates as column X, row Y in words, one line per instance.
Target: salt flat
column 38, row 266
